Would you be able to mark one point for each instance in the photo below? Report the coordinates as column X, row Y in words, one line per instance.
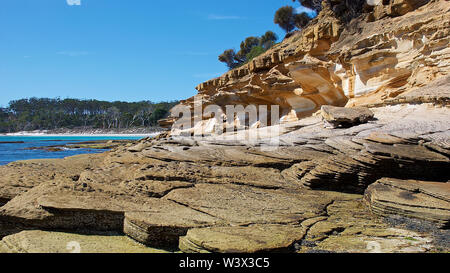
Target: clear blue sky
column 125, row 50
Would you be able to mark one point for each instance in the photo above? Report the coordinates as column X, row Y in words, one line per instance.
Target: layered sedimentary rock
column 251, row 239
column 18, row 177
column 206, row 195
column 297, row 186
column 392, row 48
column 418, row 199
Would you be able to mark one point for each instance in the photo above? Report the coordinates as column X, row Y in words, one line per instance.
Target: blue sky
column 127, row 50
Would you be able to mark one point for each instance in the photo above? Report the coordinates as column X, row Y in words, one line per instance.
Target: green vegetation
column 302, row 19
column 344, row 10
column 46, row 114
column 250, row 48
column 287, row 18
column 255, row 52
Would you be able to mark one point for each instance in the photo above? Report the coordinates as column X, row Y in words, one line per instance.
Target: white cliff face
column 384, row 53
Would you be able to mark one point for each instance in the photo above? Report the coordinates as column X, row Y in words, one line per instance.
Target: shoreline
column 90, row 134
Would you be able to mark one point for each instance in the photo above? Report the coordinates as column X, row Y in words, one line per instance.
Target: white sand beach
column 87, row 134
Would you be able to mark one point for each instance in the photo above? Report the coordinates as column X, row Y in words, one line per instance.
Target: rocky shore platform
column 379, row 186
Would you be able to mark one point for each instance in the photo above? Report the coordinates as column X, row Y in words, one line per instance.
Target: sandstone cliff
column 392, row 48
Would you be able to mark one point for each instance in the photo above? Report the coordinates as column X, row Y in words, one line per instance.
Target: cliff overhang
column 389, row 49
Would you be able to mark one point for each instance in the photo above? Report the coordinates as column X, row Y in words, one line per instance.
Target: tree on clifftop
column 268, row 40
column 229, row 58
column 285, row 18
column 344, row 9
column 246, row 47
column 302, row 19
column 250, row 48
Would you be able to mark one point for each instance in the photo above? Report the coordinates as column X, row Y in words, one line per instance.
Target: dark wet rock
column 441, row 237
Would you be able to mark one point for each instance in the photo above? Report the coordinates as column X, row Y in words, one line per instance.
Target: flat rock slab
column 167, row 174
column 246, row 205
column 350, row 227
column 251, row 239
column 37, row 241
column 436, row 189
column 212, row 155
column 57, row 206
column 346, row 117
column 51, row 207
column 74, row 201
column 402, row 151
column 384, row 138
column 18, row 177
column 417, row 199
column 401, row 241
column 163, row 224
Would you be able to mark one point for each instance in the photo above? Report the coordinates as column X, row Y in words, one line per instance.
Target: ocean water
column 10, row 152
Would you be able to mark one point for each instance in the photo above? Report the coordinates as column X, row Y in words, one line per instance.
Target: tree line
column 47, row 114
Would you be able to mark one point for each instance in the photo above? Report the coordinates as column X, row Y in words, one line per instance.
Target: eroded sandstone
column 158, row 193
column 418, row 199
column 380, row 57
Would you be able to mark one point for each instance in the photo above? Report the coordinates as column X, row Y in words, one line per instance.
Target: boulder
column 346, row 117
